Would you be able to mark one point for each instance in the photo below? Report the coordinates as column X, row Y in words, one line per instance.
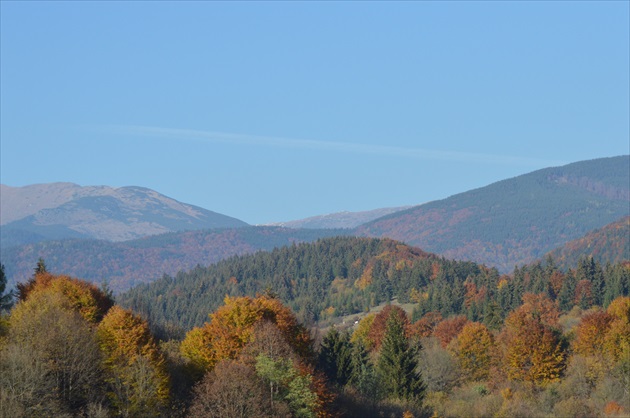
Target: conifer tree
column 335, row 355
column 40, row 267
column 363, row 376
column 5, row 299
column 397, row 364
column 492, row 316
column 567, row 292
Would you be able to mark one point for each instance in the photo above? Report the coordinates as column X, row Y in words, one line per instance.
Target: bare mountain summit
column 65, row 210
column 339, row 220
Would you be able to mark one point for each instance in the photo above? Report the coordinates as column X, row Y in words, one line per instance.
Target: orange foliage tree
column 231, row 327
column 591, row 333
column 534, row 350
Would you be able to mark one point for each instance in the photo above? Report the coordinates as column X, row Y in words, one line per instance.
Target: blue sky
column 283, row 110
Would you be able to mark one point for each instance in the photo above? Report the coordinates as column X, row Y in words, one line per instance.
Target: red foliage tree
column 379, row 326
column 449, row 328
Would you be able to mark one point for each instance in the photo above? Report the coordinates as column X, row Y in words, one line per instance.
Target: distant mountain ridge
column 518, row 220
column 339, row 220
column 65, row 210
column 126, row 264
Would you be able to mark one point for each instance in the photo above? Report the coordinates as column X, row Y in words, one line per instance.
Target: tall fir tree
column 397, row 365
column 363, row 376
column 617, row 282
column 567, row 292
column 335, row 356
column 5, row 299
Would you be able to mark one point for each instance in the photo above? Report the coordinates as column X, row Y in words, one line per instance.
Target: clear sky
column 283, row 110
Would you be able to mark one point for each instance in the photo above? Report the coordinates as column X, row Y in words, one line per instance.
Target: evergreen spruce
column 492, row 316
column 567, row 292
column 335, row 356
column 597, row 280
column 397, row 365
column 5, row 299
column 40, row 268
column 363, row 376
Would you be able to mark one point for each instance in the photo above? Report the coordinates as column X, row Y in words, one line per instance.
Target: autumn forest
column 343, row 327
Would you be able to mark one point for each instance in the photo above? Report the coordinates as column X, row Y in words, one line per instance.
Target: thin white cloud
column 353, row 148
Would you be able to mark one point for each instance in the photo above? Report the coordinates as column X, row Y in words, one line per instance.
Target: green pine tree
column 335, row 356
column 492, row 316
column 397, row 365
column 40, row 267
column 5, row 299
column 363, row 376
column 567, row 292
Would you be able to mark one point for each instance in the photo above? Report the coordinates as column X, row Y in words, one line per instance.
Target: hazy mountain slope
column 125, row 264
column 340, row 220
column 518, row 220
column 610, row 244
column 64, row 210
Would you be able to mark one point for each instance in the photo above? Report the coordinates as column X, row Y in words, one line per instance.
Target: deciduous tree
column 533, row 350
column 63, row 342
column 449, row 328
column 591, row 333
column 232, row 326
column 379, row 326
column 475, row 351
column 83, row 297
column 231, row 389
column 136, row 369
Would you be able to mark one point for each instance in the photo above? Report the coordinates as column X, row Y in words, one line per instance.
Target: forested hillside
column 539, row 342
column 610, row 244
column 516, row 221
column 328, row 278
column 126, row 264
column 334, row 277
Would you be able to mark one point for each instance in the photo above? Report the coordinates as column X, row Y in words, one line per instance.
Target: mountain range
column 134, row 235
column 55, row 211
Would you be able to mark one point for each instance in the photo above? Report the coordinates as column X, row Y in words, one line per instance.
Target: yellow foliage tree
column 475, row 350
column 617, row 340
column 361, row 333
column 82, row 297
column 365, row 280
column 136, row 368
column 54, row 336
